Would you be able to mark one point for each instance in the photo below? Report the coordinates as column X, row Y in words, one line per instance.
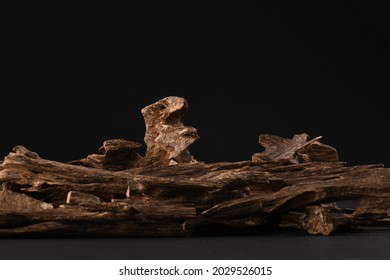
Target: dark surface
column 357, row 245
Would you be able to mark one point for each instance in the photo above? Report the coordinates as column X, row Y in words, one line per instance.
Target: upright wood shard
column 299, row 149
column 166, row 138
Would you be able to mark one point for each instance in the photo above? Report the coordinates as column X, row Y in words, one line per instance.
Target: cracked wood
column 294, row 183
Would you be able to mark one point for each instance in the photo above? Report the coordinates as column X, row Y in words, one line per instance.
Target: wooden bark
column 294, row 183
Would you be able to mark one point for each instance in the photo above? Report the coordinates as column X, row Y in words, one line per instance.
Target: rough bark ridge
column 294, row 183
column 118, row 154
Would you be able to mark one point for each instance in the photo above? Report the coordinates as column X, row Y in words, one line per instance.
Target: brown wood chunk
column 118, row 154
column 15, row 202
column 166, row 138
column 80, row 198
column 292, row 151
column 294, row 183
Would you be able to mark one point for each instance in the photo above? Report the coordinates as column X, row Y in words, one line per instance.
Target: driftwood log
column 295, row 183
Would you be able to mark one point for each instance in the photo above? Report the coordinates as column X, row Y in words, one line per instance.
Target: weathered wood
column 28, row 172
column 13, row 201
column 166, row 138
column 294, row 183
column 324, row 220
column 108, row 219
column 79, row 198
column 51, row 181
column 296, row 150
column 368, row 185
column 118, row 154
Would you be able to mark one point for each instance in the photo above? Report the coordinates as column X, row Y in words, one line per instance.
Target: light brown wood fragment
column 166, row 138
column 79, row 198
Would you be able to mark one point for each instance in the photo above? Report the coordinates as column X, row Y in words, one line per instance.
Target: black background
column 79, row 72
column 271, row 245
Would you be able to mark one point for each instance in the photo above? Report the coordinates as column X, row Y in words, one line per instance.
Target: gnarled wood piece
column 197, row 184
column 125, row 195
column 296, row 150
column 344, row 184
column 232, row 194
column 26, row 171
column 118, row 154
column 166, row 138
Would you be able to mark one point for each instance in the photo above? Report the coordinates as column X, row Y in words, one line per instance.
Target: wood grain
column 295, row 183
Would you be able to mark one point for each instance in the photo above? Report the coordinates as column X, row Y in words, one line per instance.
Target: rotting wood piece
column 293, row 183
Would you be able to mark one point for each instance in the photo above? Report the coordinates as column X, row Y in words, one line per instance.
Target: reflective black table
column 372, row 244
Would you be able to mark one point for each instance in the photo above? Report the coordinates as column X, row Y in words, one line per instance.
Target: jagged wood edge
column 286, row 185
column 243, row 194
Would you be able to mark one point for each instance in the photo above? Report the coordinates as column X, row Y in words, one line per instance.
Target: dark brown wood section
column 294, row 183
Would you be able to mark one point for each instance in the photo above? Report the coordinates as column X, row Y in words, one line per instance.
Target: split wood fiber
column 294, row 183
